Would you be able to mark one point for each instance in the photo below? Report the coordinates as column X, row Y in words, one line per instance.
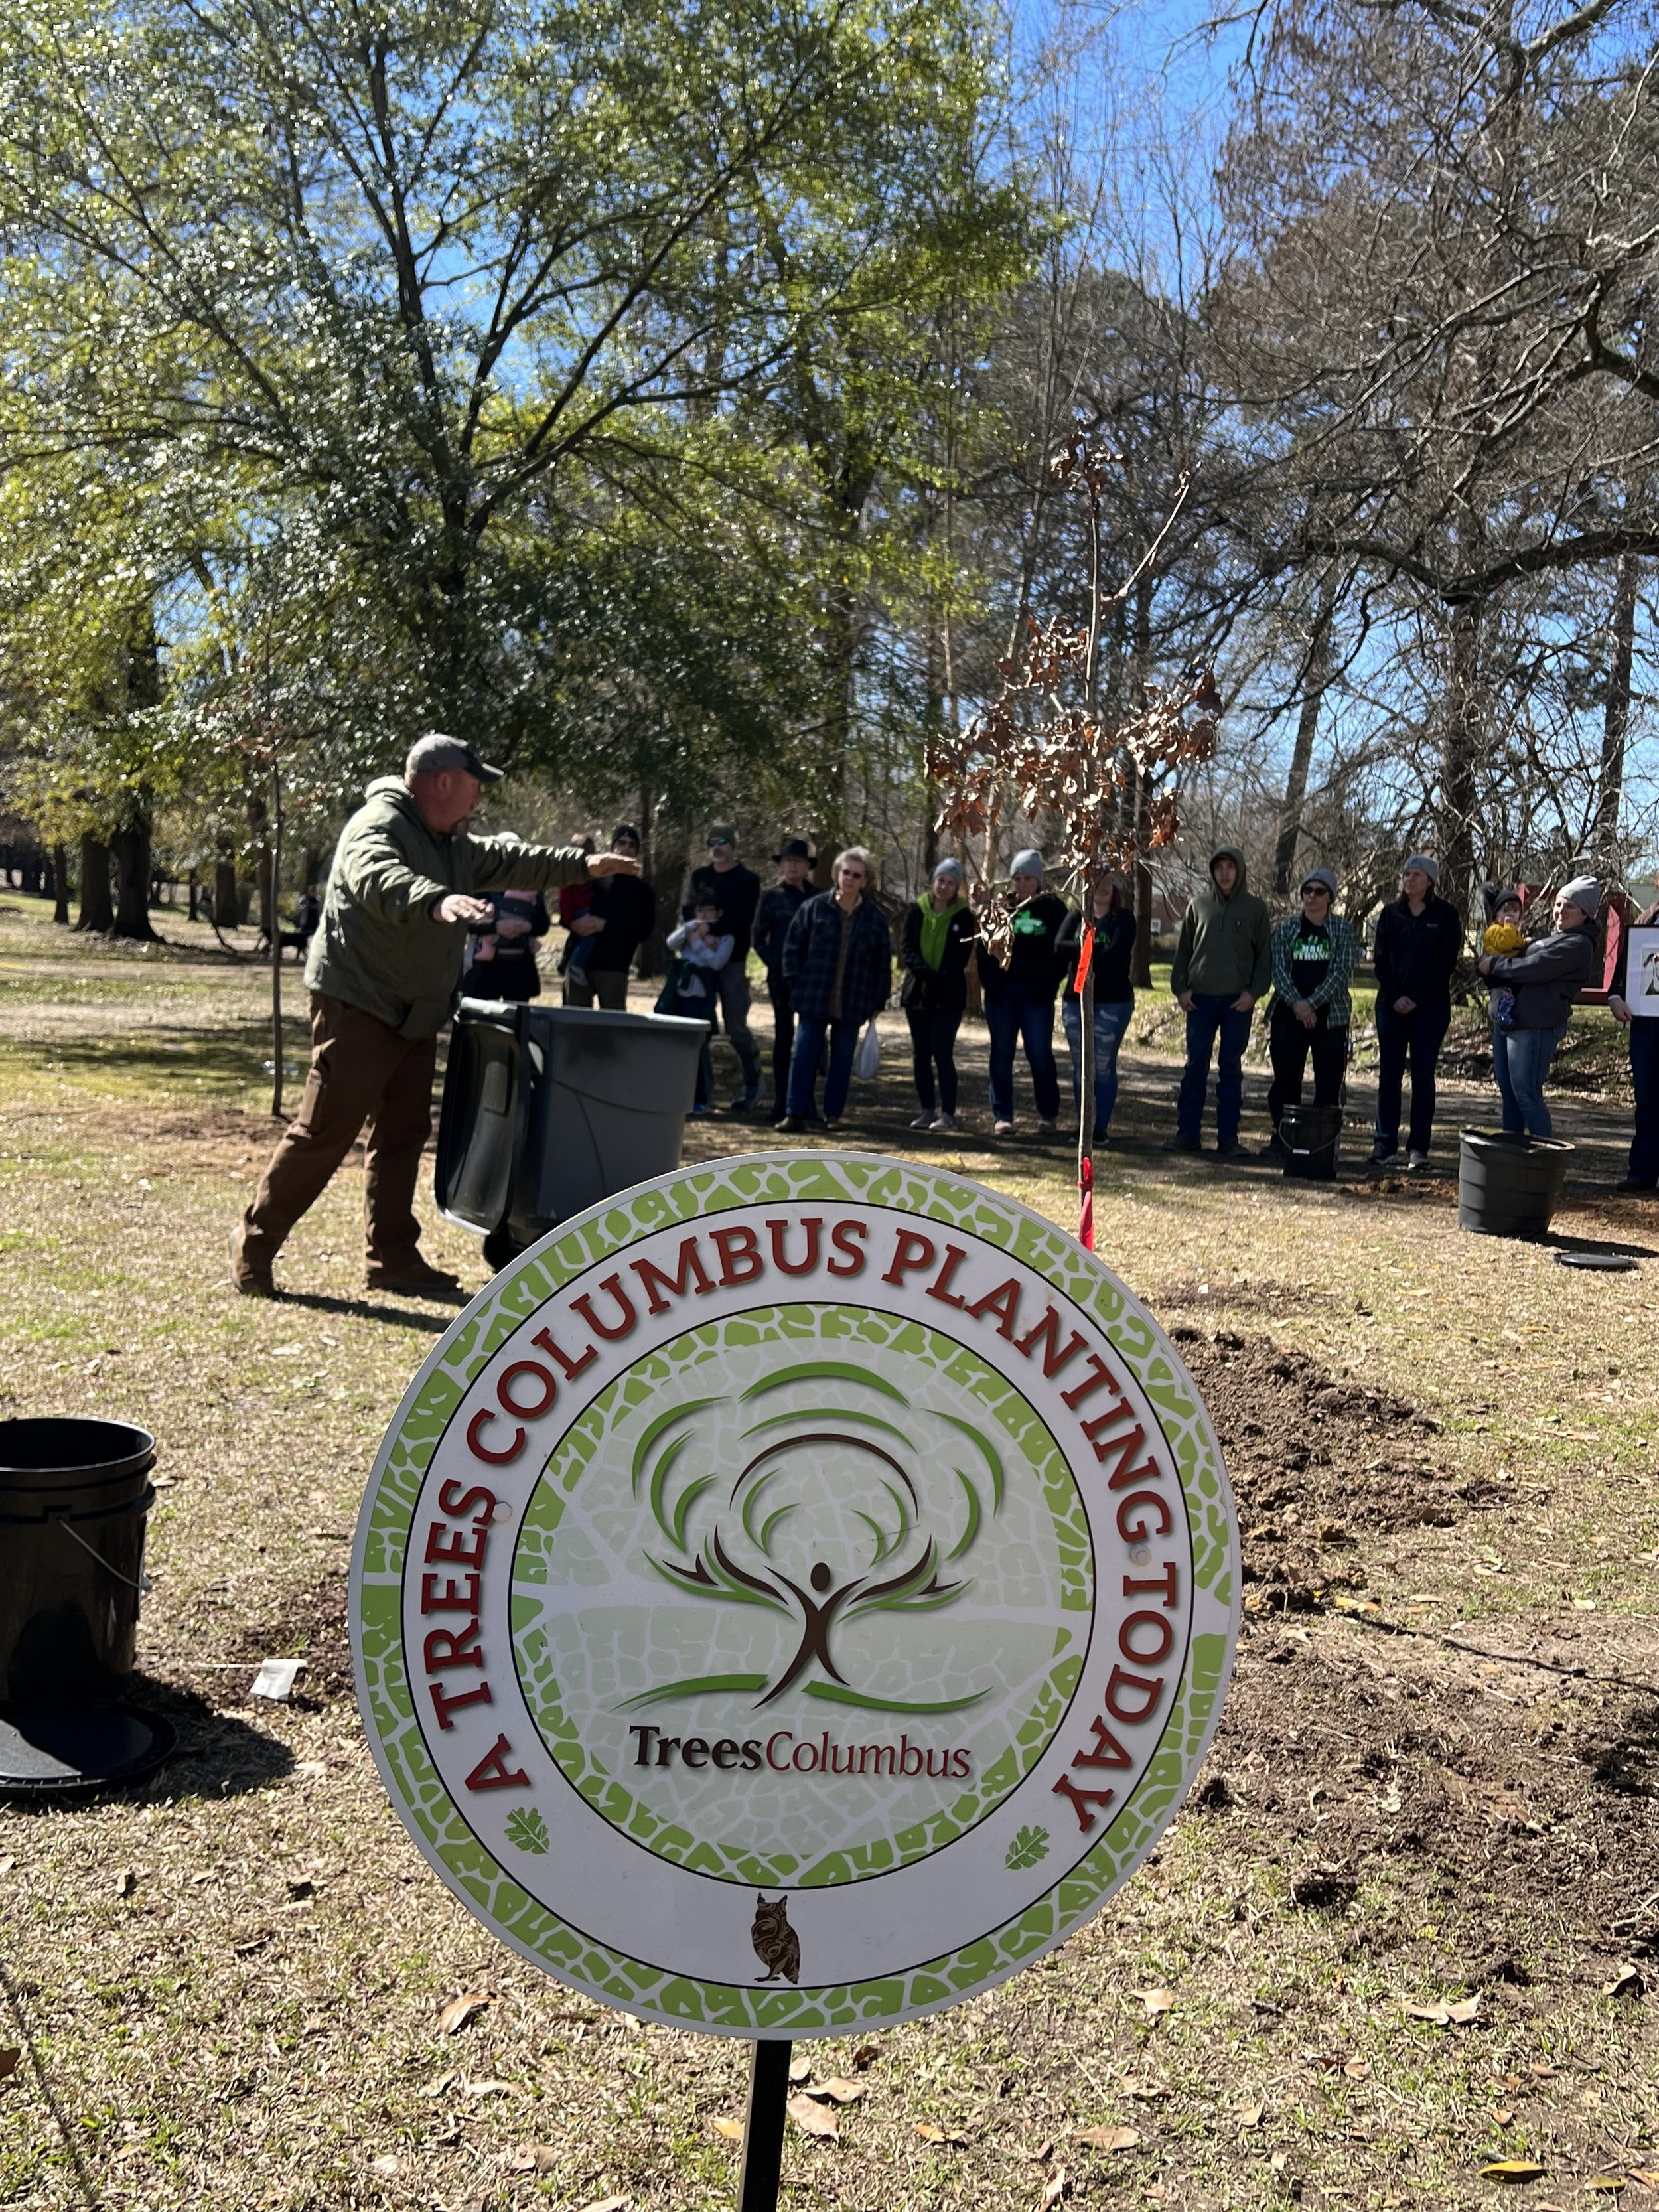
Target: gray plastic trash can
column 548, row 1109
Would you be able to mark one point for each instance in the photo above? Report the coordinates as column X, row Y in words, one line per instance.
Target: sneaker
column 1002, row 1128
column 944, row 1121
column 1182, row 1145
column 1380, row 1158
column 1049, row 1128
column 1417, row 1161
column 922, row 1121
column 414, row 1278
column 792, row 1126
column 1631, row 1187
column 747, row 1099
column 1230, row 1150
column 835, row 1124
column 698, row 1112
column 247, row 1279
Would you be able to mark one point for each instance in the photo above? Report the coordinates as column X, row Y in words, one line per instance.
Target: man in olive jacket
column 1223, row 964
column 383, row 973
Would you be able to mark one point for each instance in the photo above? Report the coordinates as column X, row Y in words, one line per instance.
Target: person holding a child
column 1545, row 979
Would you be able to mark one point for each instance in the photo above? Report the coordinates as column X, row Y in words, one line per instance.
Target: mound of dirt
column 1312, row 1459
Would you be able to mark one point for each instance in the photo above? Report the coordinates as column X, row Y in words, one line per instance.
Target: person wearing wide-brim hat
column 735, row 889
column 383, row 972
column 779, row 905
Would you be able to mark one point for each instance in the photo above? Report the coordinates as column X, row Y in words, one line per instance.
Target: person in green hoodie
column 1223, row 964
column 383, row 971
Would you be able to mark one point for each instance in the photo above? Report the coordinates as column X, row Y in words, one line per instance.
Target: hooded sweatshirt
column 380, row 945
column 1225, row 944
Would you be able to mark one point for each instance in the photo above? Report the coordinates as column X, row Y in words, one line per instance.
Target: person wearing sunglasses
column 1313, row 956
column 838, row 964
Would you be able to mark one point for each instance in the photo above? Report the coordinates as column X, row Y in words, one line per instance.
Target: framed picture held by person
column 1643, row 970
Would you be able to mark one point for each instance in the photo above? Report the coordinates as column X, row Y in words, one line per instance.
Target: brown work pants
column 361, row 1071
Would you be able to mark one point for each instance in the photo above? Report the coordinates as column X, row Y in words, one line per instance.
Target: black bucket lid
column 56, row 1750
column 73, row 1447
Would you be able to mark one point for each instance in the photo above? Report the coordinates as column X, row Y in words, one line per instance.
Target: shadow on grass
column 227, row 1060
column 1621, row 1248
column 218, row 1754
column 406, row 1317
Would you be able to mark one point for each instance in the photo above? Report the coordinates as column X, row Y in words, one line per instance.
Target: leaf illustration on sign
column 1030, row 1845
column 834, row 1511
column 527, row 1829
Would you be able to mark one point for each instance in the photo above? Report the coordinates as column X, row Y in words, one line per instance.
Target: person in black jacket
column 620, row 915
column 938, row 932
column 736, row 892
column 1419, row 939
column 502, row 951
column 838, row 961
column 1019, row 998
column 1640, row 1022
column 1546, row 980
column 777, row 909
column 1114, row 996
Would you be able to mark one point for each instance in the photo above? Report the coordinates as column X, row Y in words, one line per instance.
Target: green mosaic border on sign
column 691, row 1195
column 646, row 1380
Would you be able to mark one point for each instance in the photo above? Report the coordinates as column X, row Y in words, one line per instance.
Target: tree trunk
column 97, row 914
column 130, row 850
column 664, row 863
column 60, row 884
column 1315, row 676
column 227, row 908
column 1140, row 677
column 1615, row 726
column 259, row 822
column 1460, row 752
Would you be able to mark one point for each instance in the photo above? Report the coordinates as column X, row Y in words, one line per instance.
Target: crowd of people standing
column 829, row 956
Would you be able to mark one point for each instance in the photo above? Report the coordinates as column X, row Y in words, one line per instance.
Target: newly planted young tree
column 1043, row 750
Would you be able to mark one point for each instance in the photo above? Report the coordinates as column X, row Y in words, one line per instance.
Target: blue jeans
column 1110, row 1021
column 1417, row 1036
column 804, row 1067
column 1644, row 1075
column 1014, row 1016
column 1213, row 1016
column 1521, row 1062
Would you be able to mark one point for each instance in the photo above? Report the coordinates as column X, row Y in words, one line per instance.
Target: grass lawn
column 1438, row 1780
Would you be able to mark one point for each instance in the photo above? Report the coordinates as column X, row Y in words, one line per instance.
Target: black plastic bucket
column 1510, row 1184
column 1310, row 1136
column 74, row 1495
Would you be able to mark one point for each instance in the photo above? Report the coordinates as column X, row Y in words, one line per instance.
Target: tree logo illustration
column 832, row 1513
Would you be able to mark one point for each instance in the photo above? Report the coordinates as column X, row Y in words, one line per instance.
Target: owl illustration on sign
column 776, row 1944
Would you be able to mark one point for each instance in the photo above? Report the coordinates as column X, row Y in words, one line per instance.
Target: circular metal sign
column 794, row 1596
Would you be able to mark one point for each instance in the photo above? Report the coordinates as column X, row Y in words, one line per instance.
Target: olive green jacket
column 380, row 945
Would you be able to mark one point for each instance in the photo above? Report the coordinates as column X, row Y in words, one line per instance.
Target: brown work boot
column 412, row 1276
column 248, row 1278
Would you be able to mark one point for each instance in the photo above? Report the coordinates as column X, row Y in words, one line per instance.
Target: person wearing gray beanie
column 1545, row 979
column 1019, row 998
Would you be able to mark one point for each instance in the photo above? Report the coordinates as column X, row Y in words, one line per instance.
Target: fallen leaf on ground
column 811, row 2117
column 1465, row 2010
column 1609, row 2184
column 866, row 2055
column 1109, row 2138
column 732, row 2129
column 440, row 2085
column 1250, row 2115
column 1043, row 2153
column 453, row 2016
column 931, row 2131
column 125, row 1882
column 1356, row 2069
column 1501, row 2115
column 1513, row 2169
column 1647, row 2175
column 7, row 1864
column 1542, row 2067
column 1627, row 1982
column 1155, row 2001
column 838, row 2089
column 606, row 2204
column 1059, row 2186
column 1142, row 2087
column 9, row 2060
column 799, row 2069
column 534, row 2158
column 384, row 2165
column 488, row 2089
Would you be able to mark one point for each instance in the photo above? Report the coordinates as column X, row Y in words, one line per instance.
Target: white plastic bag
column 866, row 1061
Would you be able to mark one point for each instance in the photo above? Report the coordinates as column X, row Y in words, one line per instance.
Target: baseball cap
column 435, row 752
column 722, row 833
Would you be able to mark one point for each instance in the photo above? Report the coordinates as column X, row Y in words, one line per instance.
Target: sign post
column 793, row 1597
